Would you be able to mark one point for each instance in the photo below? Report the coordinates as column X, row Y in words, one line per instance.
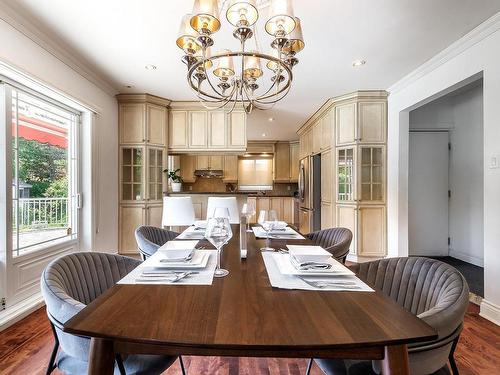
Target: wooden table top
column 243, row 312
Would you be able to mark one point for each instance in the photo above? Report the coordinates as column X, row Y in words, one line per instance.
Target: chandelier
column 229, row 77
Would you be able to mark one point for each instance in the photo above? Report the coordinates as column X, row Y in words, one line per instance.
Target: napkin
column 309, row 265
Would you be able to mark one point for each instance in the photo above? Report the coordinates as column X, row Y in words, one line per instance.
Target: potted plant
column 175, row 179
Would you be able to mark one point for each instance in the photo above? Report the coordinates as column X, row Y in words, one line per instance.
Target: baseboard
column 490, row 311
column 467, row 258
column 20, row 310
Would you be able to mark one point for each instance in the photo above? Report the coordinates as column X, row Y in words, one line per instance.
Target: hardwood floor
column 26, row 346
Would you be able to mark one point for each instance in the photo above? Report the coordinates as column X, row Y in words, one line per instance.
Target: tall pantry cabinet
column 143, row 128
column 356, row 163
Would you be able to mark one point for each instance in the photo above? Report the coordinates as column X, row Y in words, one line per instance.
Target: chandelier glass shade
column 249, row 77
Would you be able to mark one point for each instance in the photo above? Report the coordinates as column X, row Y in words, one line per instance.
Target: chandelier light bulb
column 252, row 66
column 281, row 20
column 242, row 13
column 205, row 18
column 296, row 40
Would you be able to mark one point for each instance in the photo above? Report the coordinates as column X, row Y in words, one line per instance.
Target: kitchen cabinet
column 154, row 177
column 282, row 162
column 132, row 173
column 202, row 162
column 205, row 162
column 326, row 176
column 326, row 215
column 198, row 130
column 131, row 217
column 263, row 204
column 188, row 166
column 217, row 130
column 371, row 231
column 288, row 213
column 316, row 137
column 201, row 130
column 294, row 161
column 132, row 120
column 178, row 130
column 346, row 217
column 326, row 131
column 371, row 174
column 231, row 168
column 156, row 120
column 253, row 201
column 345, row 123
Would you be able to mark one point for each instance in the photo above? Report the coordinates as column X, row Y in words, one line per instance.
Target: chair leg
column 51, row 366
column 451, row 357
column 182, row 366
column 119, row 362
column 309, row 365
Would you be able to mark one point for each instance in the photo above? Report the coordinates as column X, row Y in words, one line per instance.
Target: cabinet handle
column 143, row 139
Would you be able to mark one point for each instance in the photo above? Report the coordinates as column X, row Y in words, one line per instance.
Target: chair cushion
column 149, row 239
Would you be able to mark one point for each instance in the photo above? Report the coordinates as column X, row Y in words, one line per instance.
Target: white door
column 428, row 194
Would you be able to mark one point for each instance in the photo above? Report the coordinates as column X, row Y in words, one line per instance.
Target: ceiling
column 117, row 38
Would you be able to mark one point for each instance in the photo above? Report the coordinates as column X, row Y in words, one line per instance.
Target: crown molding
column 476, row 35
column 143, row 98
column 53, row 44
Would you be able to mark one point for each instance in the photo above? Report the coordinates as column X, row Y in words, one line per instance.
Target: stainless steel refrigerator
column 310, row 194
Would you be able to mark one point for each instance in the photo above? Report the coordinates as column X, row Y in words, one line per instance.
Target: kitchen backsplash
column 212, row 185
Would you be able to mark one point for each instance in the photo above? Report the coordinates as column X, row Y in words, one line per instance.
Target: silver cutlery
column 329, row 284
column 168, row 278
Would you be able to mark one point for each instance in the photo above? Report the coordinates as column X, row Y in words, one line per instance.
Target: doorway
column 445, row 177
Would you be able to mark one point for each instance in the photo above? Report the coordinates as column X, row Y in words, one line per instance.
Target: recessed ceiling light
column 150, row 67
column 129, row 86
column 263, row 134
column 271, row 119
column 357, row 63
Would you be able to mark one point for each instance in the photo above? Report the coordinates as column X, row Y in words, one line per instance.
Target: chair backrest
column 334, row 240
column 434, row 291
column 72, row 281
column 149, row 239
column 228, row 202
column 177, row 211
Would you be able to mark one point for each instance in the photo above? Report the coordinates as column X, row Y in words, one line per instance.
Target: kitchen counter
column 228, row 193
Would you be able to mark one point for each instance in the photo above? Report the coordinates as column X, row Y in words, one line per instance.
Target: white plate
column 200, row 260
column 200, row 224
column 178, row 245
column 309, row 253
column 286, row 267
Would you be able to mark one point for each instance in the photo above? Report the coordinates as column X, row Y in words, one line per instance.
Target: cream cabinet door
column 288, row 210
column 282, row 162
column 263, row 204
column 346, row 217
column 231, row 168
column 198, row 130
column 326, row 215
column 216, row 162
column 326, row 130
column 277, row 205
column 302, row 146
column 253, row 218
column 372, row 122
column 132, row 119
column 294, row 162
column 237, row 130
column 178, row 130
column 217, row 130
column 131, row 217
column 202, row 162
column 156, row 118
column 188, row 166
column 154, row 215
column 317, row 137
column 326, row 176
column 371, row 231
column 345, row 123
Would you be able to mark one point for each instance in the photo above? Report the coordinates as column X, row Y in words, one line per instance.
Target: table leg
column 101, row 357
column 395, row 360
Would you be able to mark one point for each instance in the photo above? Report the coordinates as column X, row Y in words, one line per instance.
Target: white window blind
column 255, row 174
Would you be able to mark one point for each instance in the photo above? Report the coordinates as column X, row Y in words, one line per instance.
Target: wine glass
column 268, row 221
column 218, row 233
column 248, row 210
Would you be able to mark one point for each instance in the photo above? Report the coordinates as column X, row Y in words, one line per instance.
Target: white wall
column 477, row 53
column 462, row 115
column 21, row 52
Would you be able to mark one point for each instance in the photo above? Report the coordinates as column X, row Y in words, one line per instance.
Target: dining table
column 242, row 315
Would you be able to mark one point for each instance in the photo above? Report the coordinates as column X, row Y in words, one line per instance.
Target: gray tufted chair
column 432, row 290
column 68, row 284
column 334, row 240
column 149, row 239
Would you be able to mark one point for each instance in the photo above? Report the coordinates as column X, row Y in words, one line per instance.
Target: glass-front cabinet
column 372, row 174
column 345, row 174
column 132, row 176
column 155, row 173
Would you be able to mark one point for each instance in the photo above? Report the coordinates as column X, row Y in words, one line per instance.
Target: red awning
column 43, row 132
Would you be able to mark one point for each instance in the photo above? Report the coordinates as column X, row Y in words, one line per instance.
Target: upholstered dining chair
column 334, row 240
column 432, row 290
column 149, row 239
column 68, row 284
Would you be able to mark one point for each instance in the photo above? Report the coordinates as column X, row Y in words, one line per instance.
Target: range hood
column 209, row 173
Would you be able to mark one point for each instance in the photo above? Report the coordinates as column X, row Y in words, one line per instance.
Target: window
column 255, row 173
column 44, row 154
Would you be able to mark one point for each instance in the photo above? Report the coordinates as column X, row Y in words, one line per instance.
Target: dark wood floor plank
column 25, row 348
